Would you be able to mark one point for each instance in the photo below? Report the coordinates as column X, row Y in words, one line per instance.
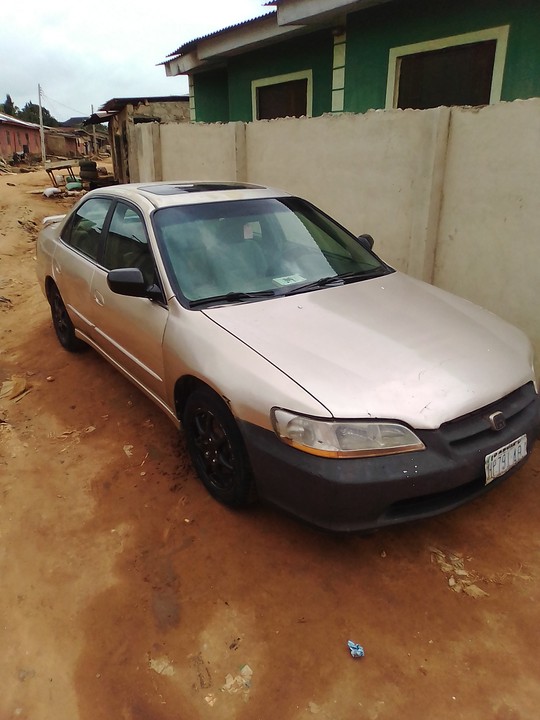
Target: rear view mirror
column 130, row 281
column 366, row 240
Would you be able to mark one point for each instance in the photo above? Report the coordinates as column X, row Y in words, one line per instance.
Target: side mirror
column 366, row 241
column 130, row 282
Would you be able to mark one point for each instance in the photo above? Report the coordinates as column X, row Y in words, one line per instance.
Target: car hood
column 390, row 347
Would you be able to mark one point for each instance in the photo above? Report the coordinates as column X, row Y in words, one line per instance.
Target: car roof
column 169, row 193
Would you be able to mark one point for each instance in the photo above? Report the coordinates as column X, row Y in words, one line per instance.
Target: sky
column 83, row 54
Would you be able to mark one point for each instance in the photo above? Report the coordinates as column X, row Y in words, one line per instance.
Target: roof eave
column 308, row 12
column 9, row 120
column 99, row 117
column 238, row 40
column 293, row 17
column 181, row 65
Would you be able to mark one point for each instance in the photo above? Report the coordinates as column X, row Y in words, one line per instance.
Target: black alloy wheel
column 217, row 449
column 65, row 331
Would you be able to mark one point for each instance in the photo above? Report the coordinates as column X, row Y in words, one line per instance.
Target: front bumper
column 366, row 493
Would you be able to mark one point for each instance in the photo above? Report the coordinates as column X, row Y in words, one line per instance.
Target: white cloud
column 83, row 55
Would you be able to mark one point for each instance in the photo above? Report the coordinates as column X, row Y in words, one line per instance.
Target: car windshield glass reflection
column 257, row 249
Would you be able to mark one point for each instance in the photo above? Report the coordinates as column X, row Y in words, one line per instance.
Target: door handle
column 98, row 297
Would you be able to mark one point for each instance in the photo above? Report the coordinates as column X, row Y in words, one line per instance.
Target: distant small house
column 64, row 142
column 18, row 136
column 310, row 57
column 123, row 114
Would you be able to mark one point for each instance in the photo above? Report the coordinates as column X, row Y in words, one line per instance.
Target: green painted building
column 309, row 57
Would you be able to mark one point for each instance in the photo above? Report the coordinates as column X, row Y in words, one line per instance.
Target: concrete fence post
column 240, row 151
column 147, row 163
column 426, row 216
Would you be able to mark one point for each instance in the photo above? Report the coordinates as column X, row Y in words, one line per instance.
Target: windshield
column 254, row 249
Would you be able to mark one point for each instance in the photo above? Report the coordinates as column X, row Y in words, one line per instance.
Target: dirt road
column 128, row 594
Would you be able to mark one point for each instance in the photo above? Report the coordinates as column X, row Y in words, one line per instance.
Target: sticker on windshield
column 289, row 279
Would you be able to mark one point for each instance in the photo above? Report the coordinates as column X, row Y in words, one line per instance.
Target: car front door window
column 126, row 245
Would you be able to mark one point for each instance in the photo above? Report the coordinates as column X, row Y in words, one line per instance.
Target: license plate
column 500, row 461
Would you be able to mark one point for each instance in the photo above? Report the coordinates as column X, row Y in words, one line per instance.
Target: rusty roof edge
column 15, row 121
column 117, row 104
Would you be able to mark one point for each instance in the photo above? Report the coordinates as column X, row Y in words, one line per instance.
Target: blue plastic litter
column 356, row 650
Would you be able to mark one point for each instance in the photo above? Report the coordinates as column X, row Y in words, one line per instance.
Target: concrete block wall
column 488, row 244
column 449, row 194
column 375, row 173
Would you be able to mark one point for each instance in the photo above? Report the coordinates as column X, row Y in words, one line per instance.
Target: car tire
column 216, row 449
column 88, row 174
column 63, row 327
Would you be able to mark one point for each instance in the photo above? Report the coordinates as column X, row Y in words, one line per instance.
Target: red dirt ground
column 128, row 594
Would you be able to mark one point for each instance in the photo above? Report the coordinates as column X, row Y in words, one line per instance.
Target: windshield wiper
column 342, row 279
column 320, row 283
column 364, row 274
column 232, row 297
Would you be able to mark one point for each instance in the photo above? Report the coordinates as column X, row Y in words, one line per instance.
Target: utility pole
column 41, row 130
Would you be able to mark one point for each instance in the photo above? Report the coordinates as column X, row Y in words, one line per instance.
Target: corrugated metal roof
column 183, row 49
column 15, row 121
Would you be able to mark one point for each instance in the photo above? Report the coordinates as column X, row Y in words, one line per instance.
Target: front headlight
column 343, row 438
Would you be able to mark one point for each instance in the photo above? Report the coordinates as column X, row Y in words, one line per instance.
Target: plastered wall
column 488, row 247
column 193, row 152
column 373, row 172
column 450, row 195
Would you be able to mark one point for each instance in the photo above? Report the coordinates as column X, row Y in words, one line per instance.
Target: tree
column 9, row 107
column 30, row 113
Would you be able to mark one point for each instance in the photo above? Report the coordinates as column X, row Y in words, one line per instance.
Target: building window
column 460, row 70
column 338, row 73
column 282, row 96
column 8, row 137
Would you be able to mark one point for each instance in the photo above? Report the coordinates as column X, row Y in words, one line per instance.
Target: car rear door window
column 85, row 231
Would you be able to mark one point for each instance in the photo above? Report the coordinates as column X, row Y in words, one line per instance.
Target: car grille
column 469, row 429
column 471, row 436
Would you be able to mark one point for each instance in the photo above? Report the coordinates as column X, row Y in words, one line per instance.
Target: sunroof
column 168, row 189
